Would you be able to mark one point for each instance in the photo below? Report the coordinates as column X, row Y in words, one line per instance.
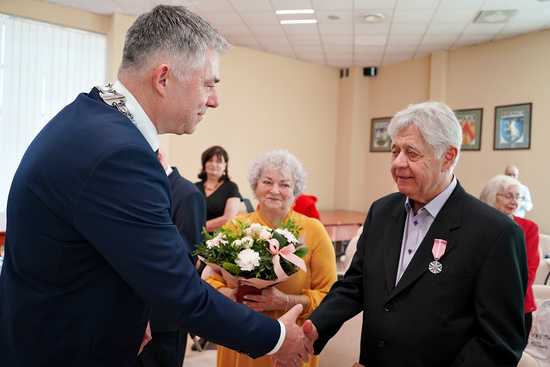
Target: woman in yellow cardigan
column 276, row 179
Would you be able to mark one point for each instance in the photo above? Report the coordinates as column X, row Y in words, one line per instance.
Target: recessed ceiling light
column 294, row 11
column 298, row 21
column 495, row 16
column 373, row 17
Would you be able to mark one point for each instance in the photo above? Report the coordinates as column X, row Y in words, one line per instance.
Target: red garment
column 305, row 204
column 531, row 232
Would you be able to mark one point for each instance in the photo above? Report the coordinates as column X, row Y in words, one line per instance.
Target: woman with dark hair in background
column 222, row 195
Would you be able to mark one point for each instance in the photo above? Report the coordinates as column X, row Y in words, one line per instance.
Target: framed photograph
column 379, row 138
column 470, row 120
column 513, row 126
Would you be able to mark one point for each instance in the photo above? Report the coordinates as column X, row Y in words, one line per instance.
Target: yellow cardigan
column 315, row 283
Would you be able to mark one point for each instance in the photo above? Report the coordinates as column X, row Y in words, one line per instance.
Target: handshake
column 298, row 344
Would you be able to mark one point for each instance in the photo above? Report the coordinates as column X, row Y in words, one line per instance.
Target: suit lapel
column 393, row 236
column 444, row 224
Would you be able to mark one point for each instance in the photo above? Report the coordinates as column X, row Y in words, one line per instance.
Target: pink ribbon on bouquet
column 286, row 253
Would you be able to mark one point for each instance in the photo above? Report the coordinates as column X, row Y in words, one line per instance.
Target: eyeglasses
column 509, row 196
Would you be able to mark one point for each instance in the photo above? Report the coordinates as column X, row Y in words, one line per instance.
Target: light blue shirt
column 417, row 225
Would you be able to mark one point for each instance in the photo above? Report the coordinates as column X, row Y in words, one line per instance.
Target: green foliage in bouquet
column 247, row 249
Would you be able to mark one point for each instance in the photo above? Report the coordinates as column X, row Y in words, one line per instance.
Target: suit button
column 381, row 344
column 388, row 307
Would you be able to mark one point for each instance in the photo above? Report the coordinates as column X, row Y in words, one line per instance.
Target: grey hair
column 437, row 124
column 171, row 31
column 278, row 159
column 494, row 186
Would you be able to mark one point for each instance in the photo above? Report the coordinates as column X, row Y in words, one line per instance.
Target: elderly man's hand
column 293, row 352
column 310, row 332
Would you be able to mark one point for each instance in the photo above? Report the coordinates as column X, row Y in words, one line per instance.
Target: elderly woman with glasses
column 277, row 178
column 503, row 193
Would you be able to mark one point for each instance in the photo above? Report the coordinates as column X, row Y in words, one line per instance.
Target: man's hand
column 146, row 338
column 293, row 351
column 310, row 331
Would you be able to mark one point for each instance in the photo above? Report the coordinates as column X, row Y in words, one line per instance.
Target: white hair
column 437, row 124
column 495, row 185
column 281, row 160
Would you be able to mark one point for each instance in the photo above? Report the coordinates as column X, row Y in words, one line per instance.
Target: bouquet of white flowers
column 251, row 255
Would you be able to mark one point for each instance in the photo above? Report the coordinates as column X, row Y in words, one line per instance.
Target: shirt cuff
column 280, row 341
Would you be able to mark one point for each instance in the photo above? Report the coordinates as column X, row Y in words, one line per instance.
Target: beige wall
column 269, row 102
column 498, row 73
column 506, row 72
column 272, row 102
column 395, row 86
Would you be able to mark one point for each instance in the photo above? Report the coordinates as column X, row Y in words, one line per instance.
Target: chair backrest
column 248, row 205
column 544, row 243
column 544, row 251
column 345, row 260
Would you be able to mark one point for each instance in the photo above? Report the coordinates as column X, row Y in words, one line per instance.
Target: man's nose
column 213, row 100
column 400, row 160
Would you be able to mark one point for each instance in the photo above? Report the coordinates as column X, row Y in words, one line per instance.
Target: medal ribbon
column 439, row 248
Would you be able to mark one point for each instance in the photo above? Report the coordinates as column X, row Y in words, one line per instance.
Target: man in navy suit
column 167, row 346
column 90, row 244
column 440, row 276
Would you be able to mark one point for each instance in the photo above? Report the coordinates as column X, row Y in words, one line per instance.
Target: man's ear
column 449, row 157
column 159, row 79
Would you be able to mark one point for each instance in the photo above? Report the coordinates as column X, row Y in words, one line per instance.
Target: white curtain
column 43, row 67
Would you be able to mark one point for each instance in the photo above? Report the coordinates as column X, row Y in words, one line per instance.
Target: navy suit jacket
column 470, row 314
column 189, row 216
column 90, row 245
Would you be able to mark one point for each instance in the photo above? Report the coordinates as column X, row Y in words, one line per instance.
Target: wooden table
column 342, row 225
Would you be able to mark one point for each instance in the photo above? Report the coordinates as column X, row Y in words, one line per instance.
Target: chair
column 248, row 205
column 344, row 261
column 543, row 271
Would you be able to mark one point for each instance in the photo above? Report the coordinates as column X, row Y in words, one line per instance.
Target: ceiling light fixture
column 299, row 21
column 374, row 17
column 294, row 11
column 495, row 16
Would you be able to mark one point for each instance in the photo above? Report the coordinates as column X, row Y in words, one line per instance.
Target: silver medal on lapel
column 438, row 249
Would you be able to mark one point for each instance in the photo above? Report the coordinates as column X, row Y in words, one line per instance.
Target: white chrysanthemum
column 287, row 234
column 248, row 259
column 236, row 243
column 247, row 242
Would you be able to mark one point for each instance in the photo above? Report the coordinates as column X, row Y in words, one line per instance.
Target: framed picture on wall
column 379, row 138
column 470, row 121
column 513, row 126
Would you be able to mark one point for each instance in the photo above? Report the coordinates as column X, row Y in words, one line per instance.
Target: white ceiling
column 412, row 28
